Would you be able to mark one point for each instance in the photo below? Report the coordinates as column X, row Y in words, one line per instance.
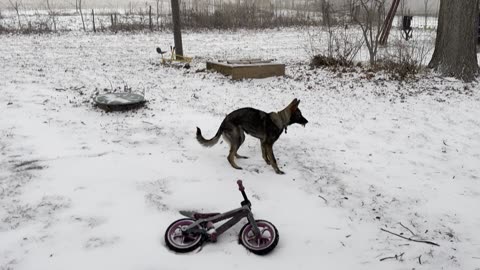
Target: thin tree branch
column 410, row 239
column 396, row 257
column 407, row 228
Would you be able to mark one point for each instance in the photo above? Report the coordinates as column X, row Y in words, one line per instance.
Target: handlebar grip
column 240, row 185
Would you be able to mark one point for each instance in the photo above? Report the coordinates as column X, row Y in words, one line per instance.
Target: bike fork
column 255, row 228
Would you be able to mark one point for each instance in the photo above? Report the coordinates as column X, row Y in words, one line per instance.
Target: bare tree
column 425, row 3
column 158, row 13
column 16, row 6
column 455, row 44
column 402, row 8
column 177, row 32
column 350, row 7
column 93, row 21
column 369, row 15
column 326, row 9
column 52, row 15
column 81, row 14
column 327, row 23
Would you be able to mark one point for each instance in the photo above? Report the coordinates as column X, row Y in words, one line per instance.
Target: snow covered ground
column 85, row 189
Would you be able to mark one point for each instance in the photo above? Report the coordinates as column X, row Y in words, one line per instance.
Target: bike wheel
column 181, row 242
column 262, row 245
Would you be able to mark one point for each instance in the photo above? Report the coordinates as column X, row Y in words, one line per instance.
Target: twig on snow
column 406, row 228
column 410, row 239
column 396, row 257
column 420, row 259
column 323, row 198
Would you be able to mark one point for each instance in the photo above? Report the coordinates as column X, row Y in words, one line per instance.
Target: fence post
column 113, row 28
column 93, row 19
column 150, row 18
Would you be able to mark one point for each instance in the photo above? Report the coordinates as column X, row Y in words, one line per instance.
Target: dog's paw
column 280, row 172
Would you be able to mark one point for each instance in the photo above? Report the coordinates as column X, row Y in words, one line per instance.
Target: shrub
column 402, row 70
column 329, row 61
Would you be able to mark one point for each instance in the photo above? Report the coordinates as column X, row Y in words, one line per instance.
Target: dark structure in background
column 407, row 27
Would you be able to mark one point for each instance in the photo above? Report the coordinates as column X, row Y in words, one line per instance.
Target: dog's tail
column 212, row 141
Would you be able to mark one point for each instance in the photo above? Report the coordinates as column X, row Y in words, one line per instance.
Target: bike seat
column 204, row 215
column 196, row 215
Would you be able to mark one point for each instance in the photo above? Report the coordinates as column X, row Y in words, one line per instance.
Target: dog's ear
column 294, row 105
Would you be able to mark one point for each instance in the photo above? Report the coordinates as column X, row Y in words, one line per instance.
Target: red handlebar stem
column 240, row 185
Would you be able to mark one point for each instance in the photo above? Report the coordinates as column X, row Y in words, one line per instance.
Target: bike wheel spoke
column 251, row 238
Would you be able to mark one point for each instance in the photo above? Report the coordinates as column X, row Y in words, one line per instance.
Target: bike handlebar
column 240, row 185
column 242, row 190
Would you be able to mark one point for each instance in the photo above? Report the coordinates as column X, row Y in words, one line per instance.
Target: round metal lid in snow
column 119, row 99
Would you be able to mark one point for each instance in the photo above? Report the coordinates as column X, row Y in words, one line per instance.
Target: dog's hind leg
column 264, row 153
column 234, row 140
column 272, row 159
column 231, row 158
column 242, row 139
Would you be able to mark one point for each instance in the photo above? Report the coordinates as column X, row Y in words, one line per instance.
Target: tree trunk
column 93, row 21
column 425, row 2
column 177, row 33
column 81, row 14
column 150, row 21
column 455, row 45
column 158, row 14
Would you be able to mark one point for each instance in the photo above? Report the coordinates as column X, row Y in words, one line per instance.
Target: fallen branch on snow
column 410, row 239
column 406, row 228
column 320, row 196
column 396, row 257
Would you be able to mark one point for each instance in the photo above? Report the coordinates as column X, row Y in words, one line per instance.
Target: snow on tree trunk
column 455, row 45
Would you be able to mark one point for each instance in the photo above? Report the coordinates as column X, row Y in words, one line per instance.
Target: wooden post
column 93, row 19
column 150, row 19
column 177, row 32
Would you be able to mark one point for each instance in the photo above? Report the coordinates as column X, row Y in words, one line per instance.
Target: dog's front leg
column 272, row 159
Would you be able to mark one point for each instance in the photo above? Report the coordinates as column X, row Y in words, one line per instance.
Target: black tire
column 172, row 232
column 264, row 247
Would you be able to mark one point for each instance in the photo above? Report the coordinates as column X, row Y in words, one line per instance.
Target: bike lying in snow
column 187, row 234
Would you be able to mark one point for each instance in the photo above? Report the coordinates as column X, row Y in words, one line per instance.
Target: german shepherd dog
column 266, row 127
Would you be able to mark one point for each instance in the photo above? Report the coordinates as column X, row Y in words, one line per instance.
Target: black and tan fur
column 267, row 127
